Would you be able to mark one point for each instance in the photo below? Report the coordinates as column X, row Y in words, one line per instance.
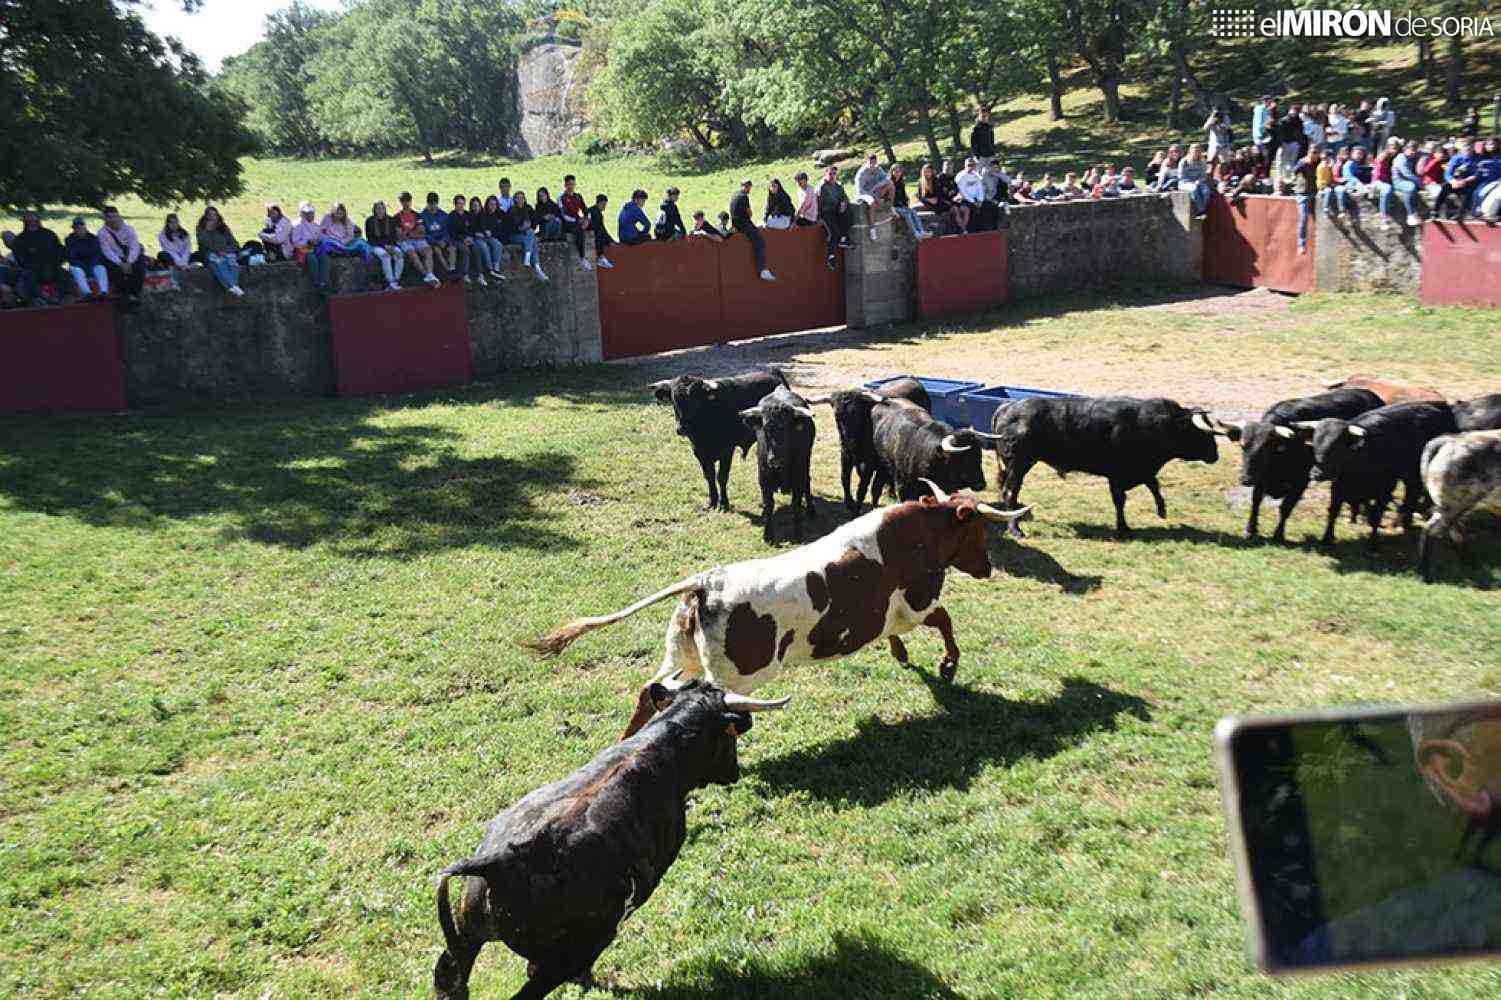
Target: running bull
column 1460, row 471
column 560, row 870
column 875, row 577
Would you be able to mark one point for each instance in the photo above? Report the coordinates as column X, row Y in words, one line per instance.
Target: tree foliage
column 93, row 105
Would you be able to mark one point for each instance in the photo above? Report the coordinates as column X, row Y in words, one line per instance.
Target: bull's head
column 706, row 721
column 689, row 396
column 1335, row 443
column 851, row 416
column 780, row 427
column 962, row 450
column 1264, row 447
column 1195, row 439
column 961, row 541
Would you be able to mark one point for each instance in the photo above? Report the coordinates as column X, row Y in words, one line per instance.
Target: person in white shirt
column 1218, row 131
column 1337, row 131
column 505, row 197
column 972, row 189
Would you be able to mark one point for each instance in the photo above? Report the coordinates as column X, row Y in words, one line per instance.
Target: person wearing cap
column 306, row 237
column 972, row 190
column 220, row 250
column 701, row 227
column 176, row 243
column 669, row 224
column 834, row 211
column 807, row 201
column 435, row 231
column 779, row 210
column 632, row 223
column 575, row 218
column 85, row 259
column 276, row 234
column 413, row 241
column 740, row 218
column 123, row 256
column 39, row 257
column 602, row 240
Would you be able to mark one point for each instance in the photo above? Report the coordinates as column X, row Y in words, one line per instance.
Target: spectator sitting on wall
column 724, row 225
column 380, row 232
column 982, row 136
column 1406, row 183
column 1045, row 190
column 1070, row 189
column 1128, row 183
column 1355, row 180
column 488, row 229
column 1166, row 178
column 834, row 211
column 506, row 199
column 341, row 237
column 176, row 244
column 701, row 227
column 1324, row 177
column 276, row 234
column 929, row 197
column 523, row 223
column 1488, row 180
column 85, row 260
column 124, row 257
column 1381, row 181
column 899, row 202
column 972, row 191
column 807, row 201
column 468, row 254
column 669, row 224
column 435, row 231
column 413, row 243
column 740, row 218
column 602, row 239
column 1459, row 172
column 306, row 236
column 1217, row 132
column 485, row 251
column 633, row 225
column 948, row 188
column 997, row 193
column 1193, row 177
column 872, row 184
column 1107, row 184
column 779, row 210
column 1305, row 187
column 548, row 215
column 1434, row 185
column 575, row 218
column 221, row 251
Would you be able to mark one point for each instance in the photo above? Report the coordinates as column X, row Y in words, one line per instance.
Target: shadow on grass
column 857, row 968
column 1101, row 532
column 293, row 478
column 1477, row 564
column 1009, row 556
column 973, row 730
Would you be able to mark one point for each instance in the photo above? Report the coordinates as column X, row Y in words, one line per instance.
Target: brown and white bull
column 876, row 577
column 1389, row 389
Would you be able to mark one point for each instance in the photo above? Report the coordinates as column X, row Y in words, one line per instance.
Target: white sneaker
column 768, row 276
column 604, row 262
column 872, row 231
column 236, row 291
column 495, row 273
column 541, row 274
column 482, row 282
column 432, row 279
column 584, row 264
column 467, row 280
column 393, row 287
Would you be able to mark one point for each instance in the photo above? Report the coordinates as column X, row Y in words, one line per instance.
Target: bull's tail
column 560, row 638
column 451, row 939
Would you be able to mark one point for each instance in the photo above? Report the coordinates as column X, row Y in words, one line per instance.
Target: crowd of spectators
column 1330, row 157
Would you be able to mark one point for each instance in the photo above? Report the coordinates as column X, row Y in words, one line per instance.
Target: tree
column 92, row 105
column 272, row 78
column 1099, row 31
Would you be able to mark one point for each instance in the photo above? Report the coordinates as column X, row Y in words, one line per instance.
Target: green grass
column 260, row 685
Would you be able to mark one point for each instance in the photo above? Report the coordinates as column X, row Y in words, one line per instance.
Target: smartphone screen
column 1368, row 837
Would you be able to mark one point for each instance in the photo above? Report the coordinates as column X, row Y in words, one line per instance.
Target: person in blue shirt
column 633, row 224
column 85, row 259
column 1406, row 182
column 1356, row 179
column 435, row 225
column 1488, row 180
column 1460, row 173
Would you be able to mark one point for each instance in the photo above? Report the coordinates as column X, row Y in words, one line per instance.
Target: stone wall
column 1061, row 247
column 1352, row 252
column 549, row 98
column 878, row 273
column 199, row 344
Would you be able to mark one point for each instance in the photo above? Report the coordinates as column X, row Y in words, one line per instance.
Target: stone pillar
column 878, row 273
column 1183, row 240
column 1352, row 253
column 524, row 321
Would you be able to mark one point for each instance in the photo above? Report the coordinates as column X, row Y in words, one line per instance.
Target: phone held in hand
column 1366, row 836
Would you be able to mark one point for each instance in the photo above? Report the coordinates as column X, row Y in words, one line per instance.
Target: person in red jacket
column 575, row 218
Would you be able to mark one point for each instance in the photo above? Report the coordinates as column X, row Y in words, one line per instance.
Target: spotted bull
column 559, row 870
column 707, row 411
column 1483, row 413
column 875, row 577
column 852, row 416
column 1389, row 389
column 1460, row 472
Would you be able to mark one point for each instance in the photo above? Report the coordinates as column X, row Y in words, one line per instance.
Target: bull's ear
column 661, row 696
column 739, row 721
column 663, row 392
column 752, row 417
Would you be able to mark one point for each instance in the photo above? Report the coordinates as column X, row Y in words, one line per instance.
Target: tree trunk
column 925, row 118
column 1425, row 58
column 1110, row 86
column 1174, row 101
column 1055, row 88
column 1456, row 73
column 884, row 138
column 956, row 131
column 703, row 140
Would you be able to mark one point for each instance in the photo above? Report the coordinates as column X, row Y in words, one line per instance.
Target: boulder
column 824, row 157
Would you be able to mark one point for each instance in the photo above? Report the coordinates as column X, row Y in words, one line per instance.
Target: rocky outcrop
column 549, row 98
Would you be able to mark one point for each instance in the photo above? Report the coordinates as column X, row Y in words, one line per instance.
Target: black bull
column 852, row 416
column 708, row 415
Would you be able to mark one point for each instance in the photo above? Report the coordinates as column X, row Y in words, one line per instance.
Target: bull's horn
column 1202, row 422
column 751, row 410
column 740, row 703
column 1284, row 432
column 1305, row 425
column 712, row 383
column 662, row 384
column 874, row 397
column 820, row 401
column 1006, row 516
column 1356, row 430
column 806, row 411
column 1333, row 383
column 937, row 491
column 951, row 446
column 982, row 434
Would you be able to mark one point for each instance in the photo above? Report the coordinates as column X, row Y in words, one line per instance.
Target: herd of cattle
column 559, row 870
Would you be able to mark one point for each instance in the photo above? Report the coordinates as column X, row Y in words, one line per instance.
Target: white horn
column 982, row 434
column 1356, row 430
column 821, row 401
column 1284, row 432
column 1006, row 516
column 1333, row 383
column 948, row 444
column 740, row 703
column 664, row 383
column 806, row 411
column 937, row 491
column 711, row 383
column 748, row 412
column 1202, row 422
column 874, row 397
column 1306, row 425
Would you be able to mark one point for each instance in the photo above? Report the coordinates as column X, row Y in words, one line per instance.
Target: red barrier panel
column 806, row 295
column 61, row 358
column 660, row 297
column 963, row 274
column 1254, row 243
column 400, row 341
column 1461, row 264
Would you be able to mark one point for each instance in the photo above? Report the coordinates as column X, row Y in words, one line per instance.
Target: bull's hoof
column 712, row 505
column 948, row 669
column 1123, row 534
column 724, row 505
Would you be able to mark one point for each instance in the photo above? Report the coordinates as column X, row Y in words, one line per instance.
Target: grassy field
column 260, row 686
column 1027, row 138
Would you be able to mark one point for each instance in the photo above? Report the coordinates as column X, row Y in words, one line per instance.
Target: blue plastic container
column 981, row 404
column 946, row 393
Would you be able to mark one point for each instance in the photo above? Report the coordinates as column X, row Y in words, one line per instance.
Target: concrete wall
column 878, row 272
column 200, row 344
column 1059, row 248
column 1353, row 253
